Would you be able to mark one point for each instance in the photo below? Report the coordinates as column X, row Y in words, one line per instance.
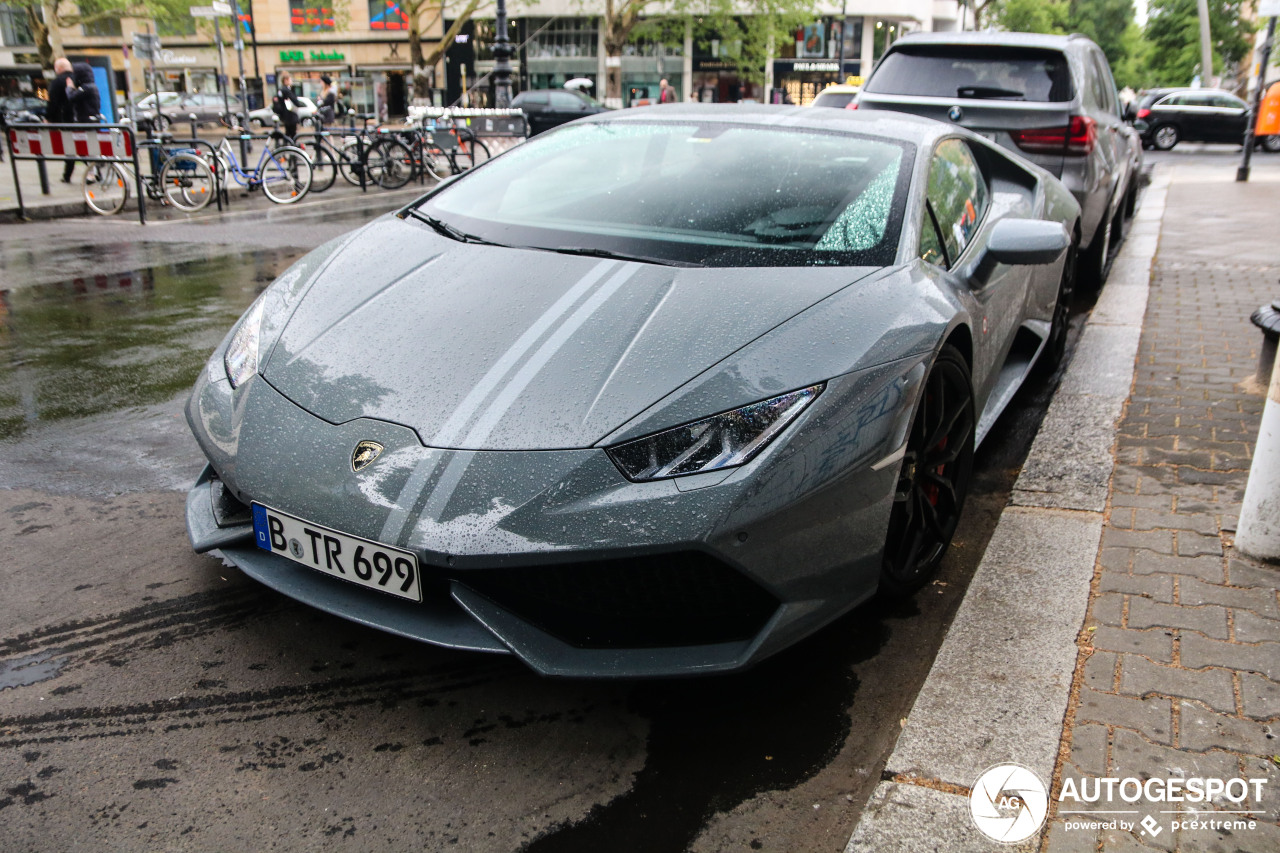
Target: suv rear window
column 974, row 71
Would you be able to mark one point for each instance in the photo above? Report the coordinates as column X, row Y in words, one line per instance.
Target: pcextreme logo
column 1008, row 803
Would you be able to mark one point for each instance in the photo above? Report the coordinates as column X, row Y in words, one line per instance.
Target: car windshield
column 979, row 71
column 713, row 193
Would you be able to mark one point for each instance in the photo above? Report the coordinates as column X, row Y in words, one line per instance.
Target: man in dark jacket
column 79, row 102
column 59, row 109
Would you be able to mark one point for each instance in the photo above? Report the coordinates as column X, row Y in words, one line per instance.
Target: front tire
column 934, row 479
column 1165, row 137
column 1271, row 143
column 286, row 175
column 106, row 188
column 187, row 182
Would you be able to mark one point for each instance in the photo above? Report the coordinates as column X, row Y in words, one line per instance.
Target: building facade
column 363, row 44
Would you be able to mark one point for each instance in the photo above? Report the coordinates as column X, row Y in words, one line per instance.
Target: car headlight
column 241, row 357
column 720, row 441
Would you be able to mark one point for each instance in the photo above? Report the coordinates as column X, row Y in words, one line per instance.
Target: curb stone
column 999, row 688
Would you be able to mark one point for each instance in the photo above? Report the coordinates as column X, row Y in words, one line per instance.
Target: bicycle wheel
column 391, row 164
column 433, row 160
column 186, row 182
column 286, row 175
column 349, row 165
column 324, row 169
column 106, row 187
column 471, row 152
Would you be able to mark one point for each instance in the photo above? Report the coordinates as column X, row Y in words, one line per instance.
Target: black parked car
column 547, row 108
column 1166, row 117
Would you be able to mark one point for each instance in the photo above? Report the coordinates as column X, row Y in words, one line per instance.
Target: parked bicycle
column 352, row 153
column 283, row 173
column 179, row 177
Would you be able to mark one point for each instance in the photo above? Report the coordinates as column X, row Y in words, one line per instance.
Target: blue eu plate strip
column 260, row 534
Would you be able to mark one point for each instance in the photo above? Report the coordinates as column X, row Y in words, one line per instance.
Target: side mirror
column 1027, row 241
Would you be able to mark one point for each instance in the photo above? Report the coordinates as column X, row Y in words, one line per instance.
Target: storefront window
column 887, row 33
column 14, row 30
column 561, row 37
column 387, row 15
column 306, row 17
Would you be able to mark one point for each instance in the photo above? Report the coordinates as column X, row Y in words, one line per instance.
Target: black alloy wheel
column 1165, row 137
column 1093, row 261
column 934, row 478
column 1056, row 345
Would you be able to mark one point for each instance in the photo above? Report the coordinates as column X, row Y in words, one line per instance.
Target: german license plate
column 351, row 558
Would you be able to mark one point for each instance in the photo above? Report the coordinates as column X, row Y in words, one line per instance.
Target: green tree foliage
column 1030, row 16
column 1173, row 32
column 1104, row 21
column 753, row 27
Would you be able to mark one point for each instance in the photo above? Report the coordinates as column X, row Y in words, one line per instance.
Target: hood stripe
column 503, row 402
column 450, row 431
column 423, row 476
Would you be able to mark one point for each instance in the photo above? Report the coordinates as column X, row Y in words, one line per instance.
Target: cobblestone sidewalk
column 1181, row 649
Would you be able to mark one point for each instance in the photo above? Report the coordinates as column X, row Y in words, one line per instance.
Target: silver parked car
column 659, row 392
column 1051, row 99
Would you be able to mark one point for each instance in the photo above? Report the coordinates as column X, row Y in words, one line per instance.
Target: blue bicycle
column 284, row 173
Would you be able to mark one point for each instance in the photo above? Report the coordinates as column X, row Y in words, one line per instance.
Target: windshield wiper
column 988, row 92
column 447, row 230
column 619, row 256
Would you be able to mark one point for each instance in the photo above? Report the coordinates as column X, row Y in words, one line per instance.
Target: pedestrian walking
column 283, row 105
column 328, row 101
column 666, row 94
column 59, row 109
column 83, row 103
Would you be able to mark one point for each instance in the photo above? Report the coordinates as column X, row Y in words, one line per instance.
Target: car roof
column 990, row 37
column 879, row 123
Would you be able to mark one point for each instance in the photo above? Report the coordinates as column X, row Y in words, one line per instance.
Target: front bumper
column 553, row 555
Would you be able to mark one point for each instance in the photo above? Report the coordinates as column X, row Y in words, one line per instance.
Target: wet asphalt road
column 152, row 698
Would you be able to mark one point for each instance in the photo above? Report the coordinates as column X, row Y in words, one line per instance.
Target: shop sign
column 170, row 57
column 316, row 56
column 816, row 66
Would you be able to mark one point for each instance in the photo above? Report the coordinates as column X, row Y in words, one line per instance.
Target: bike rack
column 162, row 142
column 115, row 143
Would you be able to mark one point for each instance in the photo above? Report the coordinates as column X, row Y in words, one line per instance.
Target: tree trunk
column 47, row 38
column 421, row 78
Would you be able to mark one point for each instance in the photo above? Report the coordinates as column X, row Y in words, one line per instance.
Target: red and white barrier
column 88, row 144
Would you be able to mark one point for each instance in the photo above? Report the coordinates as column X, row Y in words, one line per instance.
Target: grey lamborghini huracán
column 660, row 392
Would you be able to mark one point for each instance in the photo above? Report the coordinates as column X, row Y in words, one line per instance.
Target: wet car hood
column 491, row 348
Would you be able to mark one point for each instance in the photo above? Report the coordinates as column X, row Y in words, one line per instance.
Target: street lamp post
column 502, row 59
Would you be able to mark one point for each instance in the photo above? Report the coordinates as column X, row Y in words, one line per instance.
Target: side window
column 565, row 101
column 1227, row 102
column 534, row 98
column 1106, row 84
column 958, row 195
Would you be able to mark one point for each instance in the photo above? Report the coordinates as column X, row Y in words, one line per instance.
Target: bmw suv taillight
column 1077, row 138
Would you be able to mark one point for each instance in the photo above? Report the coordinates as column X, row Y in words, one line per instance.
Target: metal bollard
column 1267, row 318
column 1258, row 530
column 194, row 125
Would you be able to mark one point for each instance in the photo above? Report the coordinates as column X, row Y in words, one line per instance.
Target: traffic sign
column 1269, row 8
column 146, row 45
column 221, row 8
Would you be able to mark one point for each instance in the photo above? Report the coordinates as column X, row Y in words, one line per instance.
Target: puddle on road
column 106, row 342
column 30, row 670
